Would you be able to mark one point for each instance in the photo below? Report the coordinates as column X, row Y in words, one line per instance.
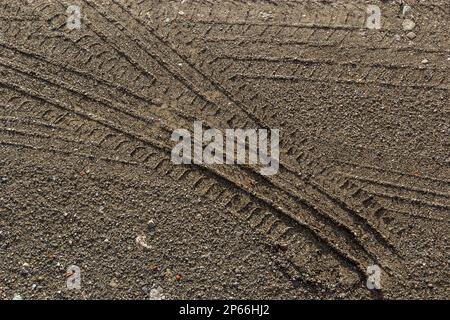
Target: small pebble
column 406, row 9
column 265, row 15
column 408, row 25
column 142, row 241
column 425, row 61
column 156, row 294
column 17, row 297
column 411, row 35
column 151, row 225
column 113, row 283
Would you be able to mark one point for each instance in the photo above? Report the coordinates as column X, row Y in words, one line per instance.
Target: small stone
column 168, row 274
column 113, row 283
column 181, row 13
column 265, row 15
column 4, row 179
column 406, row 9
column 17, row 297
column 34, row 286
column 151, row 225
column 24, row 272
column 411, row 35
column 425, row 61
column 156, row 294
column 142, row 241
column 154, row 268
column 408, row 25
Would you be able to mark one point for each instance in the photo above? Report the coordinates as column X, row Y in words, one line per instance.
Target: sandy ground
column 86, row 116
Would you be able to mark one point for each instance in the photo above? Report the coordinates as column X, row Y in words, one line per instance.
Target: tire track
column 97, row 119
column 308, row 196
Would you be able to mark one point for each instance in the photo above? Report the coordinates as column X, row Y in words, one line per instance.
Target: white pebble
column 408, row 25
column 17, row 297
column 406, row 9
column 157, row 294
column 142, row 241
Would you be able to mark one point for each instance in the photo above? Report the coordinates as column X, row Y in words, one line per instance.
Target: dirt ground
column 86, row 117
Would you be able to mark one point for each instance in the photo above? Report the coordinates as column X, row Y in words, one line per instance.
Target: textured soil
column 86, row 117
